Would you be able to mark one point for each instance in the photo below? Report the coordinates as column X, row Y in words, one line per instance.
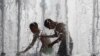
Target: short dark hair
column 33, row 25
column 46, row 22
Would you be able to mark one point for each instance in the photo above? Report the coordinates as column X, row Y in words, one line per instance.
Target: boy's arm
column 54, row 42
column 50, row 36
column 31, row 44
column 57, row 40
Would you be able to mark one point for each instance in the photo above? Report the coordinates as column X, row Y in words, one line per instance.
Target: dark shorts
column 63, row 51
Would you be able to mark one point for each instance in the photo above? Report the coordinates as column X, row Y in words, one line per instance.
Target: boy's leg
column 62, row 49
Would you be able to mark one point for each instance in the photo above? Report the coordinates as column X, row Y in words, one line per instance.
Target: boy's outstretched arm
column 30, row 45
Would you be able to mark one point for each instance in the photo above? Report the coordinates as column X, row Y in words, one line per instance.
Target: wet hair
column 33, row 25
column 47, row 22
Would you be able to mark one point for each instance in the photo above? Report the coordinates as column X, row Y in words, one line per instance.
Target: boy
column 45, row 41
column 60, row 32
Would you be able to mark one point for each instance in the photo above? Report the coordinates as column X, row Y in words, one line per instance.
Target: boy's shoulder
column 60, row 25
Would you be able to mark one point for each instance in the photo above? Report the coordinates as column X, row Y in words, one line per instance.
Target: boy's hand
column 42, row 35
column 50, row 45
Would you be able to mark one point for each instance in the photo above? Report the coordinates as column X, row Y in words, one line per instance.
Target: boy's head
column 34, row 27
column 49, row 24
